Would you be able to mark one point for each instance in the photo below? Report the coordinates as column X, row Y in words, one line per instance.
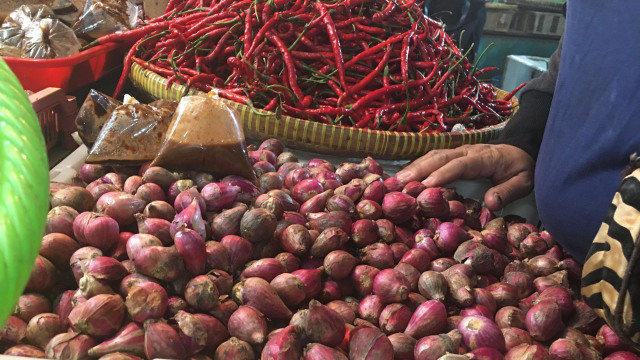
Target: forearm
column 526, row 128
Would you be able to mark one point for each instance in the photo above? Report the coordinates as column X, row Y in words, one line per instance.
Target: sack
column 611, row 271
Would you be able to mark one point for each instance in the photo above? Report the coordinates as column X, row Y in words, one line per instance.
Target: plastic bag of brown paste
column 93, row 114
column 133, row 134
column 205, row 135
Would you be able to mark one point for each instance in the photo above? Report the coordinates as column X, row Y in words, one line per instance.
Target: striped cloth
column 611, row 272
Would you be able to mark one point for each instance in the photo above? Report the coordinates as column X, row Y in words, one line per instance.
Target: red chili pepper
column 367, row 79
column 385, row 13
column 514, row 91
column 286, row 56
column 335, row 42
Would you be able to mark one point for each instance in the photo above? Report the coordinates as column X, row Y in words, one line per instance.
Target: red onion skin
column 289, row 288
column 285, row 344
column 612, row 342
column 479, row 331
column 160, row 210
column 312, row 279
column 147, row 300
column 398, row 207
column 418, row 258
column 149, row 192
column 120, row 206
column 369, row 209
column 486, row 353
column 410, row 274
column 192, row 248
column 92, row 229
column 477, row 310
column 30, row 305
column 316, row 351
column 217, row 256
column 23, row 350
column 265, row 268
column 159, row 228
column 485, row 298
column 91, row 172
column 378, row 255
column 76, row 197
column 403, row 346
column 542, row 265
column 234, row 349
column 201, row 293
column 258, row 293
column 622, row 355
column 362, row 277
column 43, row 275
column 70, row 345
column 561, row 296
column 528, row 352
column 107, row 268
column 163, row 263
column 60, row 220
column 515, row 336
column 370, row 308
column 505, row 294
column 433, row 285
column 585, row 319
column 344, row 309
column 544, row 320
column 240, row 251
column 369, row 343
column 562, row 349
column 131, row 184
column 429, row 318
column 248, row 324
column 316, row 203
column 191, row 217
column 14, row 331
column 130, row 339
column 100, row 316
column 223, row 310
column 289, row 261
column 296, row 239
column 390, row 285
column 432, row 347
column 162, row 341
column 441, row 264
column 449, row 236
column 338, row 264
column 394, row 318
column 510, row 317
column 330, row 239
column 364, row 232
column 523, row 283
column 320, row 324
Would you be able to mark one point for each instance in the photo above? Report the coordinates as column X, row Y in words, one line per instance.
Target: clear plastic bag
column 38, row 33
column 205, row 135
column 68, row 10
column 133, row 134
column 103, row 17
column 93, row 114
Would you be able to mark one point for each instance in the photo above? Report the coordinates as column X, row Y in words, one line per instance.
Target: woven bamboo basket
column 321, row 138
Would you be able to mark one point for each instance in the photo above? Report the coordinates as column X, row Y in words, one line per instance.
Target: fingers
column 422, row 167
column 505, row 193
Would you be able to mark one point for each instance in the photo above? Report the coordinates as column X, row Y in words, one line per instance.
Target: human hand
column 509, row 168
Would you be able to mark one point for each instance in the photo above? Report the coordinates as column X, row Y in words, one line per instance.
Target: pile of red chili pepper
column 374, row 64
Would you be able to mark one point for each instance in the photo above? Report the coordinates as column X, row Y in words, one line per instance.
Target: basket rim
column 177, row 88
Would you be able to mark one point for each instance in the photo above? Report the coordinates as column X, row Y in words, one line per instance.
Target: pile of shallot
column 311, row 261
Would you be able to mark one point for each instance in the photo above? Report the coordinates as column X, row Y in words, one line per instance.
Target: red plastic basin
column 69, row 73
